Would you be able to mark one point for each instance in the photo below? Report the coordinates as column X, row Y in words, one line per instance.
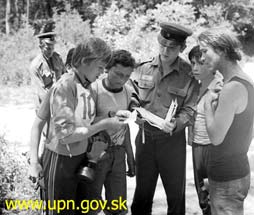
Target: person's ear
column 183, row 46
column 220, row 52
column 41, row 45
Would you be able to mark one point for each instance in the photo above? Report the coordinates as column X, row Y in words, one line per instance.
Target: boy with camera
column 71, row 110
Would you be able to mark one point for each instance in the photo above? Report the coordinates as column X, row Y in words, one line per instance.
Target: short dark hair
column 123, row 58
column 195, row 53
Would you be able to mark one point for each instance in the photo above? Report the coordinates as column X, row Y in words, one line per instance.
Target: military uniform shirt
column 45, row 72
column 158, row 89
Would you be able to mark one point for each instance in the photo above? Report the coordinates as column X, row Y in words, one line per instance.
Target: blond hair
column 223, row 40
column 92, row 48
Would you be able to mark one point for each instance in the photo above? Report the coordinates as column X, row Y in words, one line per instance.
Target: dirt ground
column 16, row 121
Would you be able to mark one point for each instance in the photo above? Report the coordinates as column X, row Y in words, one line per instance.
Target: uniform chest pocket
column 145, row 89
column 47, row 80
column 177, row 93
column 58, row 70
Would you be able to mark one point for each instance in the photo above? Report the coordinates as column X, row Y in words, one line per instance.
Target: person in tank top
column 229, row 121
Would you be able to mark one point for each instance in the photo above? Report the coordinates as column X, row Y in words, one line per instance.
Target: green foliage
column 15, row 53
column 241, row 15
column 14, row 182
column 113, row 24
column 138, row 32
column 172, row 11
column 131, row 25
column 212, row 16
column 70, row 27
column 18, row 50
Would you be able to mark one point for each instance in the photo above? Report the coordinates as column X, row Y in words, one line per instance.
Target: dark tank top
column 228, row 161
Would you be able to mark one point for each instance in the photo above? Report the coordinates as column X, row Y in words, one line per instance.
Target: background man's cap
column 45, row 32
column 172, row 32
column 48, row 37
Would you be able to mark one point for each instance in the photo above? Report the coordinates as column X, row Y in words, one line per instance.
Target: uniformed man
column 160, row 81
column 47, row 67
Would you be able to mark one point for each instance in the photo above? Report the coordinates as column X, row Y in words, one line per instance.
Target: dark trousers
column 110, row 172
column 61, row 181
column 165, row 155
column 200, row 162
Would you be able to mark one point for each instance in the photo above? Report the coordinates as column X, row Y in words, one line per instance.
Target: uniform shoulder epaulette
column 145, row 62
column 185, row 66
column 56, row 54
column 37, row 62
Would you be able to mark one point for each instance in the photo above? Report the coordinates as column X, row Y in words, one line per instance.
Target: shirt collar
column 81, row 78
column 45, row 57
column 174, row 66
column 118, row 90
column 156, row 61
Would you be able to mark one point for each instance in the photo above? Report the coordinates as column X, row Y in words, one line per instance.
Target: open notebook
column 153, row 119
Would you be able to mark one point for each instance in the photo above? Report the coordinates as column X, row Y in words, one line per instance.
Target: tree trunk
column 99, row 2
column 16, row 7
column 27, row 12
column 15, row 15
column 7, row 17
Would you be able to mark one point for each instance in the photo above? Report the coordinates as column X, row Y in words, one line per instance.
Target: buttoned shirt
column 71, row 106
column 157, row 89
column 45, row 72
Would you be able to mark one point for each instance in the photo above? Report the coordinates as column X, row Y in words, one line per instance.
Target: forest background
column 127, row 24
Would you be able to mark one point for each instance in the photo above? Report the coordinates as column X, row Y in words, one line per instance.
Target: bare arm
column 35, row 138
column 232, row 100
column 35, row 166
column 43, row 115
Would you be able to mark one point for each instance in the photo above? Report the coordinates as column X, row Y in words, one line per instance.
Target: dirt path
column 15, row 124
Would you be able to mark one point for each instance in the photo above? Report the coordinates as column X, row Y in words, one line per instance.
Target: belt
column 114, row 147
column 152, row 129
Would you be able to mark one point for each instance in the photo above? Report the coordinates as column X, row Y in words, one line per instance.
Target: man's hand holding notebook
column 157, row 121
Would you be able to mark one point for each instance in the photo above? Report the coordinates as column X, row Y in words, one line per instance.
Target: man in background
column 47, row 67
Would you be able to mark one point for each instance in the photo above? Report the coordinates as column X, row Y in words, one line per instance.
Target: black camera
column 87, row 172
column 97, row 144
